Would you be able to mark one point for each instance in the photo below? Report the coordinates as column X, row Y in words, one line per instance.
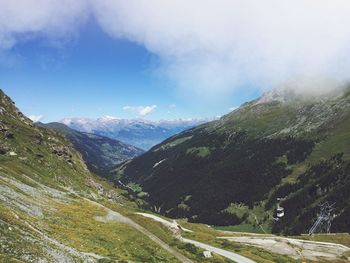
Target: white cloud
column 21, row 20
column 109, row 118
column 214, row 47
column 36, row 118
column 172, row 106
column 141, row 110
column 208, row 47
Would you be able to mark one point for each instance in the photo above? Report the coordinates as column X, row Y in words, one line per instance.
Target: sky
column 160, row 59
column 94, row 75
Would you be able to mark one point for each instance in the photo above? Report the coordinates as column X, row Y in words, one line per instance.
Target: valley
column 186, row 131
column 53, row 209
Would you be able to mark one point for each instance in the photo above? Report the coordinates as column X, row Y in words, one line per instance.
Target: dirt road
column 115, row 216
column 171, row 225
column 227, row 254
column 295, row 248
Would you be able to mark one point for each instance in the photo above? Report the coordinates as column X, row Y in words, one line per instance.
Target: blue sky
column 134, row 58
column 93, row 75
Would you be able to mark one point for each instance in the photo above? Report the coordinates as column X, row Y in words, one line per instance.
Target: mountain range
column 53, row 209
column 231, row 171
column 137, row 132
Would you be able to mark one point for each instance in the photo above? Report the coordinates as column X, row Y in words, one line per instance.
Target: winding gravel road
column 115, row 216
column 227, row 254
column 295, row 248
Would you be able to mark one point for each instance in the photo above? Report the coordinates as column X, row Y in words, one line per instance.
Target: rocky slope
column 138, row 132
column 100, row 153
column 232, row 170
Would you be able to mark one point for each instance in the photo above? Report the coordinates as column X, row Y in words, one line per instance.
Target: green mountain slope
column 52, row 209
column 232, row 170
column 100, row 153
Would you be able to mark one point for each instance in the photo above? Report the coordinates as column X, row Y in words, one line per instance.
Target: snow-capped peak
column 139, row 132
column 108, row 118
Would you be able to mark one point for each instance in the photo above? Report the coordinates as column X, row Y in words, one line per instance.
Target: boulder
column 9, row 135
column 4, row 149
column 59, row 150
column 3, row 127
column 39, row 138
column 62, row 151
column 207, row 254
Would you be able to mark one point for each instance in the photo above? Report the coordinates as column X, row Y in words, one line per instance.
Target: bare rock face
column 4, row 149
column 110, row 194
column 63, row 151
column 5, row 130
column 60, row 150
column 9, row 135
column 3, row 127
column 90, row 182
column 39, row 138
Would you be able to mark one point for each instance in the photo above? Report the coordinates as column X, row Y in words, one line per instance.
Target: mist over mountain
column 141, row 133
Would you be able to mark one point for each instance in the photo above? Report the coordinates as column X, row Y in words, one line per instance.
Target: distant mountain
column 231, row 171
column 100, row 153
column 138, row 132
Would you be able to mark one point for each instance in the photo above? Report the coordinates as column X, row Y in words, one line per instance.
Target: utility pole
column 324, row 220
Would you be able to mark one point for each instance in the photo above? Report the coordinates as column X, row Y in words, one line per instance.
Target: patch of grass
column 135, row 187
column 165, row 235
column 16, row 240
column 173, row 143
column 296, row 171
column 199, row 151
column 248, row 228
column 337, row 141
column 9, row 259
column 76, row 225
column 198, row 253
column 255, row 220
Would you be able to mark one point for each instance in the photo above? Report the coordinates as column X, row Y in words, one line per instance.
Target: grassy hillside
column 267, row 148
column 100, row 153
column 52, row 209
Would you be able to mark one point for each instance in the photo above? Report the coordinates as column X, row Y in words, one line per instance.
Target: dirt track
column 115, row 216
column 227, row 254
column 295, row 248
